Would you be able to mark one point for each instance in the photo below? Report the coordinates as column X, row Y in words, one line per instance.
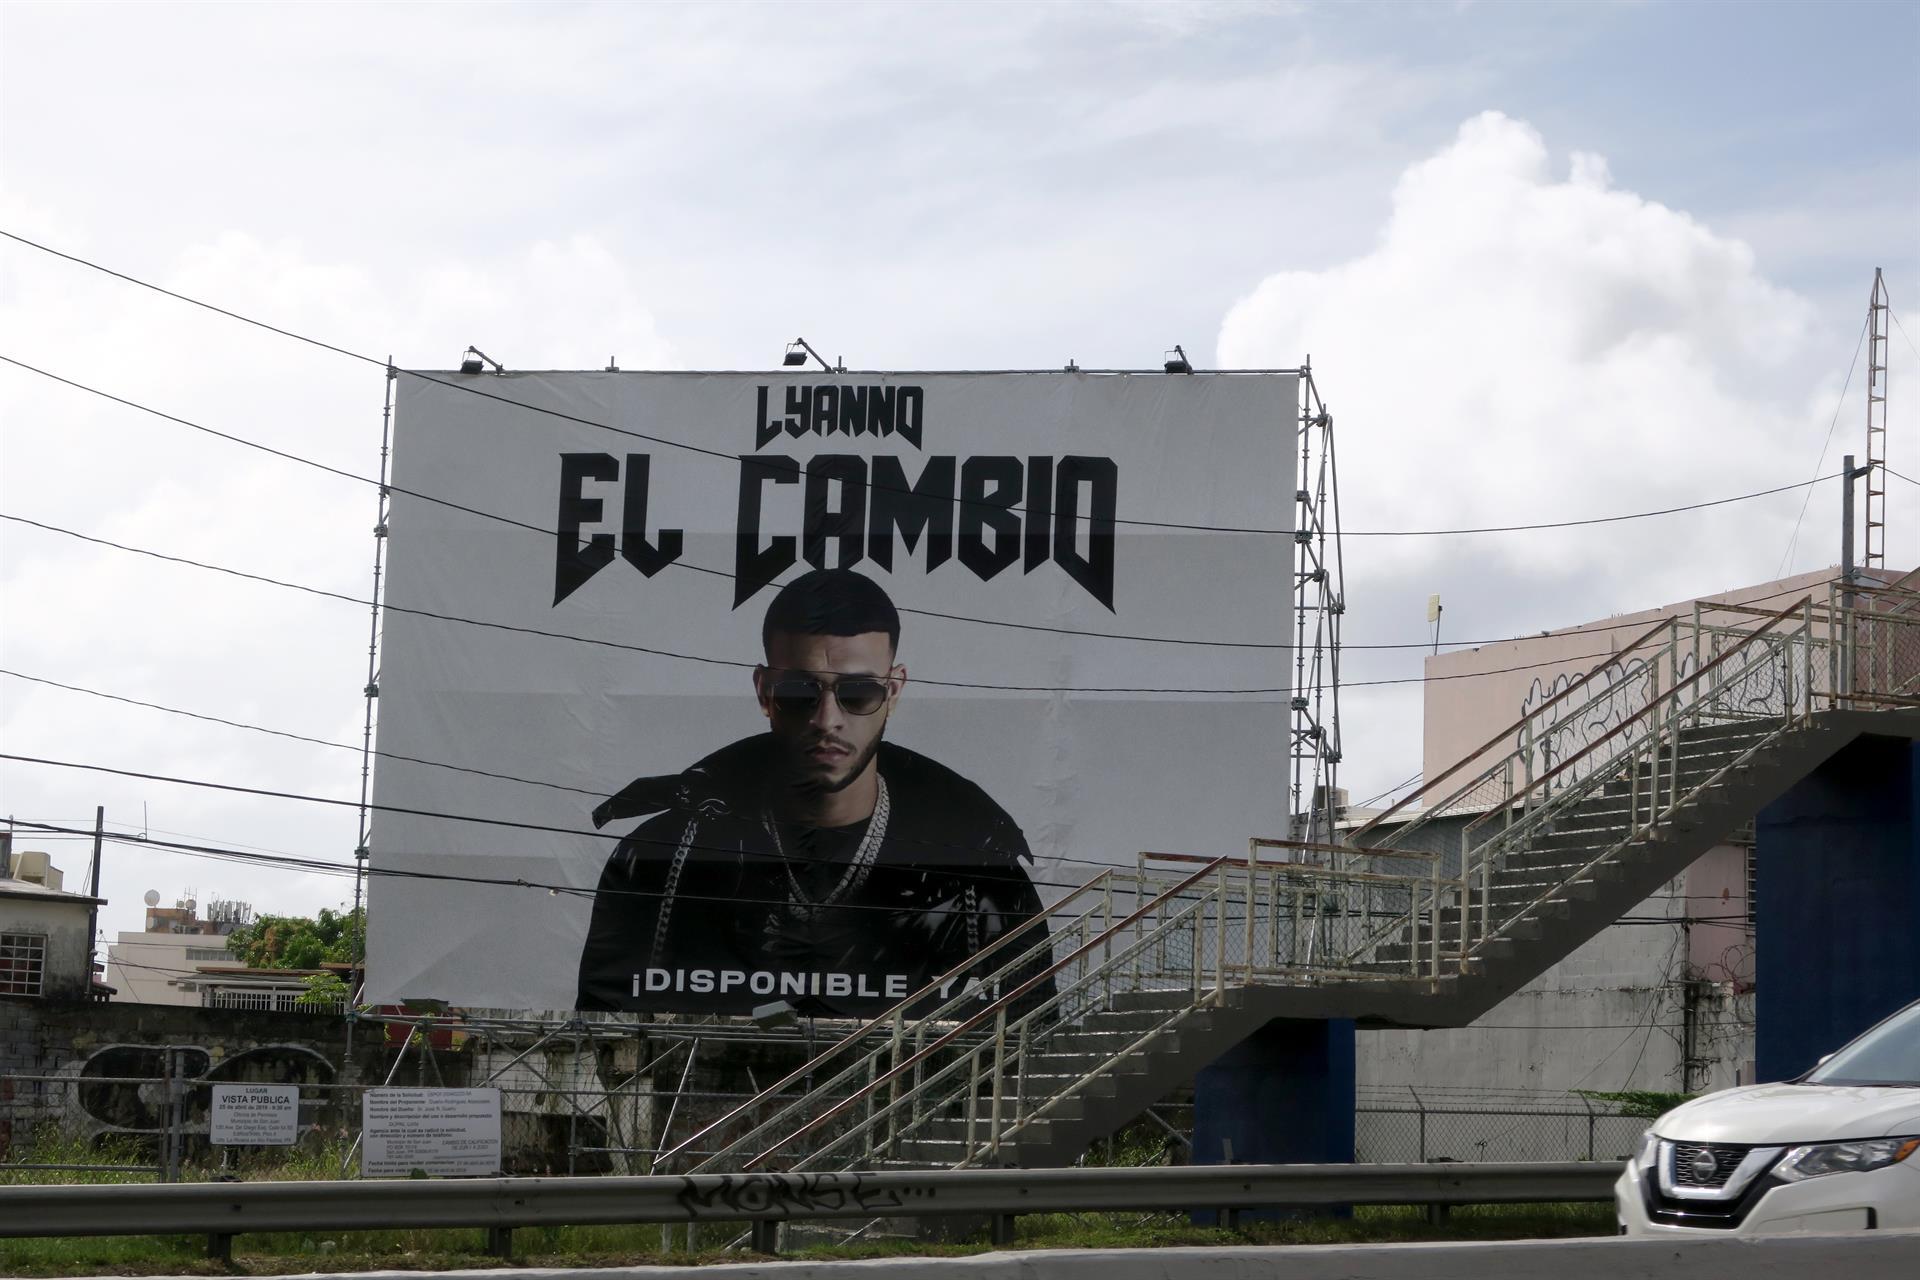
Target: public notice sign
column 705, row 691
column 448, row 1132
column 254, row 1115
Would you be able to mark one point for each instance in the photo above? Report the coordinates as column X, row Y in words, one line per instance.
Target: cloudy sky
column 1548, row 261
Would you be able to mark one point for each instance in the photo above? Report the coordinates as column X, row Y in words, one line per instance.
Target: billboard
column 701, row 692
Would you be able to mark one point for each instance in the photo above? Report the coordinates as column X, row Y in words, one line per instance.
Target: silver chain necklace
column 804, row 907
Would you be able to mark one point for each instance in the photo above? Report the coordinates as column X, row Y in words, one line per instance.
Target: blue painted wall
column 1282, row 1096
column 1837, row 904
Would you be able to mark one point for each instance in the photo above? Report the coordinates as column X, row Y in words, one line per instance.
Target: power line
column 325, row 867
column 1824, row 446
column 739, row 664
column 302, row 460
column 652, row 651
column 925, row 844
column 730, row 457
column 284, row 733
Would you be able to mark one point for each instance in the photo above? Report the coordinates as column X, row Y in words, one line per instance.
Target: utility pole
column 93, row 891
column 1849, row 572
column 1876, row 468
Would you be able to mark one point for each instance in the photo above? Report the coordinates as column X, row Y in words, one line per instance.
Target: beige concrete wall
column 156, row 968
column 63, row 923
column 1474, row 694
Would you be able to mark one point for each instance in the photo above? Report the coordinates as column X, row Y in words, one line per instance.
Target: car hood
column 1772, row 1114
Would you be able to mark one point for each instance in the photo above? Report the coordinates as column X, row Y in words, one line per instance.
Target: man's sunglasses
column 857, row 695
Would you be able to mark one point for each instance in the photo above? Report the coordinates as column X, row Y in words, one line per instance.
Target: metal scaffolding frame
column 1319, row 602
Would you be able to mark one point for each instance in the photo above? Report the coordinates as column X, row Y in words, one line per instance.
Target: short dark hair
column 831, row 602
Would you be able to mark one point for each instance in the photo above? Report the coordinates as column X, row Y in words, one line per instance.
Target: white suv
column 1831, row 1151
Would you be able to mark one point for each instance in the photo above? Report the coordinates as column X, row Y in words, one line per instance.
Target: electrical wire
column 730, row 457
column 1824, row 446
column 744, row 665
column 321, row 866
column 509, row 521
column 295, row 737
column 1903, row 329
column 942, row 846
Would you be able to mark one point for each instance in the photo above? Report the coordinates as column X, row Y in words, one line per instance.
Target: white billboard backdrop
column 761, row 474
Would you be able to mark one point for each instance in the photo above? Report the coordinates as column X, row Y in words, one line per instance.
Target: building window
column 23, row 963
column 209, row 953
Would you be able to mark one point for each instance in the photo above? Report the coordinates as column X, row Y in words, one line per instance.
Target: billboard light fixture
column 797, row 352
column 474, row 360
column 1177, row 361
column 773, row 1016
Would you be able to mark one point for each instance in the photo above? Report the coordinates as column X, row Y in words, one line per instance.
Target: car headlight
column 1802, row 1163
column 1649, row 1152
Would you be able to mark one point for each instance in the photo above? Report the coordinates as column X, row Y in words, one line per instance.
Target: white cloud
column 94, row 617
column 1521, row 347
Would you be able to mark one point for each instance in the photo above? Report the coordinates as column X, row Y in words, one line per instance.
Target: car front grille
column 1690, row 1163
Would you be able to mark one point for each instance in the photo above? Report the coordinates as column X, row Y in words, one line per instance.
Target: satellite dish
column 190, row 905
column 151, row 897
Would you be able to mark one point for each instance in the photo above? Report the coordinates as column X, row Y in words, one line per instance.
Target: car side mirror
column 1824, row 1059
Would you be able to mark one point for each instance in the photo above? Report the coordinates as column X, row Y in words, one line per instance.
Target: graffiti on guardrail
column 770, row 1195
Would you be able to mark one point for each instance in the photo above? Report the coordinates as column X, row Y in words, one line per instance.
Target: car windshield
column 1887, row 1055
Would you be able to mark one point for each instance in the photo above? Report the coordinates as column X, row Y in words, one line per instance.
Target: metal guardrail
column 221, row 1210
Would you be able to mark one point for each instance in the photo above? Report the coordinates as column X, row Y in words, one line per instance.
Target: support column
column 1284, row 1095
column 1836, row 895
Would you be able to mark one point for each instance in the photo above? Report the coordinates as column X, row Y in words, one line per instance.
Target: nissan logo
column 1703, row 1166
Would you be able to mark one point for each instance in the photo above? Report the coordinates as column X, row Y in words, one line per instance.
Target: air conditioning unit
column 33, row 866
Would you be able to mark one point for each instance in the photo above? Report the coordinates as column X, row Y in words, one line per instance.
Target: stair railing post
column 1695, row 705
column 1273, row 919
column 973, row 1105
column 1465, row 891
column 1220, row 933
column 1633, row 795
column 1298, row 899
column 1253, row 894
column 1106, row 907
column 893, row 1089
column 1433, row 901
column 919, row 1071
column 999, row 1075
column 1020, row 1074
column 1195, row 919
column 1806, row 659
column 1413, row 931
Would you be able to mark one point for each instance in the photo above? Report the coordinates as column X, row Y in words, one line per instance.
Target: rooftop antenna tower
column 1876, row 461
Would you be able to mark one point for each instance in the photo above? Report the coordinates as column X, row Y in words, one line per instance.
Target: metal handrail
column 990, row 1011
column 1536, row 816
column 812, row 1066
column 1633, row 832
column 1498, row 738
column 1003, row 1032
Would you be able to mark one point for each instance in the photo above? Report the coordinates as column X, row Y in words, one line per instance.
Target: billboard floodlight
column 797, row 352
column 474, row 360
column 773, row 1016
column 1177, row 361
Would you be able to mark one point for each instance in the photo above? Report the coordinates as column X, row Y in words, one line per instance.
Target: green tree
column 299, row 942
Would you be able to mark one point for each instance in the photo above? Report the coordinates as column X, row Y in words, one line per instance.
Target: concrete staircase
column 1429, row 918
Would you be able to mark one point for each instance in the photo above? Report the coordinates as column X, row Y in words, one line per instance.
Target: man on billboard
column 815, row 863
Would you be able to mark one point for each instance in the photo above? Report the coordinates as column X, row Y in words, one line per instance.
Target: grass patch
column 279, row 1253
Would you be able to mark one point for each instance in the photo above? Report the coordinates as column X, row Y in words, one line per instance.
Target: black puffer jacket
column 695, row 910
